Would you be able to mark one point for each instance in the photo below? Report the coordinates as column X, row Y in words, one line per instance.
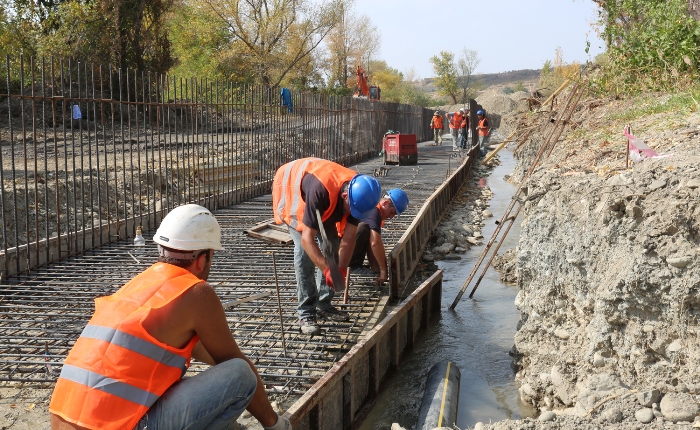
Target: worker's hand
column 329, row 279
column 281, row 424
column 383, row 277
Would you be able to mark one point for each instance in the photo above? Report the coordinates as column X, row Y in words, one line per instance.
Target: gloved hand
column 329, row 279
column 281, row 424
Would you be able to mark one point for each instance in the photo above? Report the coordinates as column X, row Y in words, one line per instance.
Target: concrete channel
column 325, row 382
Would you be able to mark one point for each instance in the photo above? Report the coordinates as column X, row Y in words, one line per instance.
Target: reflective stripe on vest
column 133, row 343
column 108, row 385
column 288, row 206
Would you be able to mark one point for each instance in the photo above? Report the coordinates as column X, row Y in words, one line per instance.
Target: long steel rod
column 279, row 303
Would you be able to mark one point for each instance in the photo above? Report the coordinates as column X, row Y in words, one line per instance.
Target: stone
column 479, row 426
column 547, row 416
column 451, row 257
column 675, row 346
column 428, row 257
column 679, row 262
column 677, row 407
column 467, row 228
column 473, row 241
column 598, row 360
column 561, row 334
column 657, row 185
column 644, row 416
column 397, row 426
column 693, row 183
column 460, row 249
column 612, row 415
column 648, row 398
column 487, row 213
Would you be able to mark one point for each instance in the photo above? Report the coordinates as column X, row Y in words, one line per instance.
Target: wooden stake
column 347, row 288
column 279, row 304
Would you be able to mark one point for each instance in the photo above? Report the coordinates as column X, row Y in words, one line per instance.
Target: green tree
column 467, row 62
column 446, row 75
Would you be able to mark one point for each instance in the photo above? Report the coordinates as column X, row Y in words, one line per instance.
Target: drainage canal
column 476, row 336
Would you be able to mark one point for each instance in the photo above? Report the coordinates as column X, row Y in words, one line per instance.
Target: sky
column 507, row 34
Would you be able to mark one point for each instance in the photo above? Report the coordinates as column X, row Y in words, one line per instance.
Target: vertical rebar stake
column 627, row 154
column 279, row 304
column 346, row 296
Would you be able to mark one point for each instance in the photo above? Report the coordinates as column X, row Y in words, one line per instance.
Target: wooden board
column 271, row 232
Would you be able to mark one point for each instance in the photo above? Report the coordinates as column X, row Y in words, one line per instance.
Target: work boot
column 333, row 314
column 308, row 326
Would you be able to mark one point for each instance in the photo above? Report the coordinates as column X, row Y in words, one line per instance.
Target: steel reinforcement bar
column 342, row 397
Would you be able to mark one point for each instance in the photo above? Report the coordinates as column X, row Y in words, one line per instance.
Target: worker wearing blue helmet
column 369, row 235
column 300, row 189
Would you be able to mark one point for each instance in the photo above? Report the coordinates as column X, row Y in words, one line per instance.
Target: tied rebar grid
column 43, row 313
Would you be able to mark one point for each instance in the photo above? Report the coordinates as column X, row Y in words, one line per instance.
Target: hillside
column 489, row 79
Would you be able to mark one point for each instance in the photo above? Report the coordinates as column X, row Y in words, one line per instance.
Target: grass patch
column 682, row 103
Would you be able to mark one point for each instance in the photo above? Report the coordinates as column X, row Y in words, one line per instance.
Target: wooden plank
column 270, row 232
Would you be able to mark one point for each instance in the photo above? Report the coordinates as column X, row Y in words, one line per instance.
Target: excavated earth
column 608, row 269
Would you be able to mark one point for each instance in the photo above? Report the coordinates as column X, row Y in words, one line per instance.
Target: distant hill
column 488, row 79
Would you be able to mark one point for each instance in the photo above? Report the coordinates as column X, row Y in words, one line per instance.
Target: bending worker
column 125, row 369
column 299, row 189
column 436, row 125
column 369, row 234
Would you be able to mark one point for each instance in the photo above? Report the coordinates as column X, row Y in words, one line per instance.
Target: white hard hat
column 189, row 228
column 461, row 109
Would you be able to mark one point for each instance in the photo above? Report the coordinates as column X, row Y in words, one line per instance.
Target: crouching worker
column 300, row 189
column 125, row 370
column 368, row 240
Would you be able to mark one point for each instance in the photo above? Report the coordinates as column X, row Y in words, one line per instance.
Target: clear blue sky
column 508, row 34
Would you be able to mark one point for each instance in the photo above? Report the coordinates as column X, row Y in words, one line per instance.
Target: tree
column 271, row 30
column 446, row 75
column 354, row 41
column 466, row 64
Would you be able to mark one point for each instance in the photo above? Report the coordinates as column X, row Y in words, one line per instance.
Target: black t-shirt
column 374, row 220
column 316, row 196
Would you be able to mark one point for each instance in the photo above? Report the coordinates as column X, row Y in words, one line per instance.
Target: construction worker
column 464, row 131
column 299, row 189
column 369, row 235
column 455, row 124
column 125, row 370
column 484, row 130
column 436, row 125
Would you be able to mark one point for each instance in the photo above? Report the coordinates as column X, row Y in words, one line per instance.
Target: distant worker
column 340, row 195
column 484, row 131
column 464, row 131
column 369, row 234
column 455, row 124
column 125, row 370
column 436, row 125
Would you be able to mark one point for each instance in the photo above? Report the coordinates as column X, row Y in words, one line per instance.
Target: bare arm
column 347, row 245
column 308, row 242
column 209, row 322
column 378, row 252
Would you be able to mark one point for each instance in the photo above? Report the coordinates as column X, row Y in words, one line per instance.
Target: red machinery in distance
column 366, row 91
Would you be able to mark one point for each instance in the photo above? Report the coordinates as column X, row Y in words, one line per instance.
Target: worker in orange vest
column 300, row 189
column 455, row 124
column 436, row 125
column 484, row 130
column 464, row 131
column 125, row 370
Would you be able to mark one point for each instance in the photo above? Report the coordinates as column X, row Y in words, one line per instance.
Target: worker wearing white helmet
column 125, row 370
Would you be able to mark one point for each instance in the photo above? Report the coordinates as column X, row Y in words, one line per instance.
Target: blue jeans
column 312, row 291
column 213, row 399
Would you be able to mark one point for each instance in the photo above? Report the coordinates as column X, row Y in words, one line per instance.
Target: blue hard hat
column 480, row 112
column 399, row 198
column 364, row 193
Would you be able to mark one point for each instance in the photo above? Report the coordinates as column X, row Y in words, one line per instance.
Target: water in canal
column 476, row 336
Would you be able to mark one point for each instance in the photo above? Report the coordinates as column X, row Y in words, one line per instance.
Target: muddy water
column 476, row 336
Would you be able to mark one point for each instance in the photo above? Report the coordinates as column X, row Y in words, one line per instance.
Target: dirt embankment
column 609, row 271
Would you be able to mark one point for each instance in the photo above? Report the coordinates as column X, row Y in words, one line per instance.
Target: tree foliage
column 446, row 75
column 651, row 44
column 276, row 35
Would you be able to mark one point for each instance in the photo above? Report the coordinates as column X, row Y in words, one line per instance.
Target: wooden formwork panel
column 344, row 395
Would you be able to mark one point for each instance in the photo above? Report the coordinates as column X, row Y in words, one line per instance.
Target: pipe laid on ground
column 441, row 397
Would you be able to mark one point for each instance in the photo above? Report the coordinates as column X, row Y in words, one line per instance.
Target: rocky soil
column 607, row 266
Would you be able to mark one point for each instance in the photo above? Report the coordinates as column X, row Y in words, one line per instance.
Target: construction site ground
column 42, row 313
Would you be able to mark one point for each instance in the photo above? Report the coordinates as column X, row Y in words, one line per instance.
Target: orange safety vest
column 456, row 120
column 436, row 122
column 116, row 370
column 483, row 132
column 287, row 203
